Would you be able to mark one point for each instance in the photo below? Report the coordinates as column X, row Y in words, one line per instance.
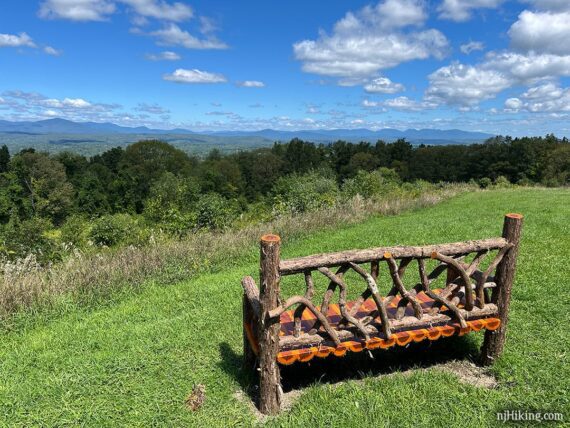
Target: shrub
column 109, row 230
column 485, row 182
column 300, row 193
column 21, row 238
column 502, row 182
column 215, row 212
column 75, row 231
column 369, row 184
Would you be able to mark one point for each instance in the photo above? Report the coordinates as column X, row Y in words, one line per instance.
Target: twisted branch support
column 373, row 289
column 450, row 261
column 310, row 291
column 480, row 286
column 436, row 297
column 401, row 289
column 342, row 300
column 306, row 303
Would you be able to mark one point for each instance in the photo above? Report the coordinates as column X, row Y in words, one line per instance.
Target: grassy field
column 133, row 361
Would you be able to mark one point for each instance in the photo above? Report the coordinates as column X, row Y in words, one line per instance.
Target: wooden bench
column 471, row 298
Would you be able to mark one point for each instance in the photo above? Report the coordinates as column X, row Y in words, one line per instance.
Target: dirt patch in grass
column 469, row 373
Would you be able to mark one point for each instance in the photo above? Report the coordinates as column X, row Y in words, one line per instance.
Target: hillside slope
column 133, row 362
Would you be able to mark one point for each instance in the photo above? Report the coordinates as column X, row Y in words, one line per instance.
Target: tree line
column 168, row 187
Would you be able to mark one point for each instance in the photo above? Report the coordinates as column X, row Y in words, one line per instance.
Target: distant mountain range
column 432, row 136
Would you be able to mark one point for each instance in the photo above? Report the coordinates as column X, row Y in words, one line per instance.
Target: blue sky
column 487, row 65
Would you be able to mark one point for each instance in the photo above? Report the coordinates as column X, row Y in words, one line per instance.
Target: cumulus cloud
column 15, row 41
column 173, row 35
column 160, row 9
column 545, row 98
column 182, row 75
column 467, row 48
column 77, row 10
column 460, row 10
column 399, row 103
column 163, row 56
column 372, row 39
column 528, row 68
column 34, row 104
column 383, row 85
column 250, row 84
column 407, row 104
column 100, row 10
column 464, row 85
column 52, row 51
column 544, row 32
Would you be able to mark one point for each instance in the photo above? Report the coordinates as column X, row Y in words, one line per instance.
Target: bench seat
column 430, row 327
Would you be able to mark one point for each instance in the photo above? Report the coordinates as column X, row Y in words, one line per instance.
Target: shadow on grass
column 354, row 365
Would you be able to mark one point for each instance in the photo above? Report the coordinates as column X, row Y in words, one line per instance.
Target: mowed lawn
column 132, row 362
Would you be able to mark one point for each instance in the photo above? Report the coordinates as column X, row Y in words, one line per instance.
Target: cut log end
column 270, row 238
column 387, row 255
column 434, row 255
column 514, row 215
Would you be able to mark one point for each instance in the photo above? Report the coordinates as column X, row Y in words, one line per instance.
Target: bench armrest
column 251, row 292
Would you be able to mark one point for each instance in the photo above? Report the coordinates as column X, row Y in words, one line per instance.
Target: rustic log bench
column 471, row 298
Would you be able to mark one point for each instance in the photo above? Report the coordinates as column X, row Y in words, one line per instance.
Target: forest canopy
column 106, row 198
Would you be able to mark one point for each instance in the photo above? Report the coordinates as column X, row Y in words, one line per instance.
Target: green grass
column 132, row 362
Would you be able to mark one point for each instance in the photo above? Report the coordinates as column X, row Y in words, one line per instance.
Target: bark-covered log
column 494, row 342
column 269, row 378
column 251, row 292
column 301, row 264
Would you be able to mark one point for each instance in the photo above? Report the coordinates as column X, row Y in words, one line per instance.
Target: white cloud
column 552, row 5
column 369, row 104
column 77, row 10
column 464, row 85
column 543, row 32
column 407, row 104
column 163, row 56
column 15, row 41
column 399, row 103
column 100, row 10
column 76, row 102
column 160, row 9
column 372, row 39
column 513, row 104
column 207, row 25
column 527, row 68
column 545, row 98
column 250, row 84
column 546, row 90
column 182, row 75
column 467, row 48
column 460, row 10
column 173, row 35
column 151, row 108
column 52, row 51
column 383, row 85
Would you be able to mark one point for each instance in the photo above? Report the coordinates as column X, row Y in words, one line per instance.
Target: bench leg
column 494, row 341
column 268, row 329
